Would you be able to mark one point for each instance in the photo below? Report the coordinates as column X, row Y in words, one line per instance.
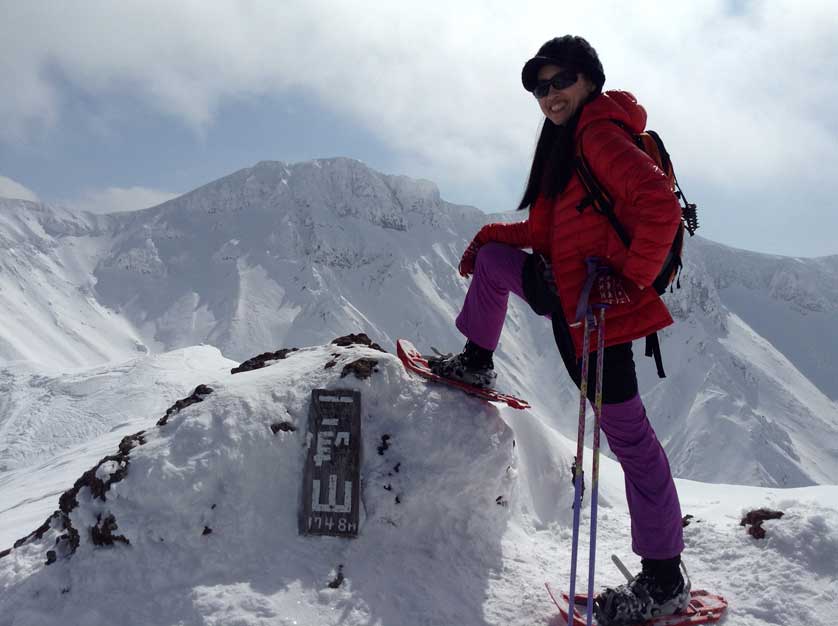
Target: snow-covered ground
column 46, row 414
column 466, row 513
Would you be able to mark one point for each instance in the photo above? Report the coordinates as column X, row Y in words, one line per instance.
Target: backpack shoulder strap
column 653, row 349
column 597, row 195
column 664, row 159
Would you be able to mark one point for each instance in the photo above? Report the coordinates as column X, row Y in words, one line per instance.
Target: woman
column 566, row 77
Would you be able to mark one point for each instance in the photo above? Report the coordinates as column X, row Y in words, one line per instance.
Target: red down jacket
column 644, row 204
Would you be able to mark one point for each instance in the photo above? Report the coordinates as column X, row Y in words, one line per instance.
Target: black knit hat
column 569, row 52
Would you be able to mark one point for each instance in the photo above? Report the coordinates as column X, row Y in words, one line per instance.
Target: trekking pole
column 578, row 479
column 600, row 351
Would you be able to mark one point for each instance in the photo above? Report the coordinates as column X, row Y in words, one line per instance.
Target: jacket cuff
column 516, row 234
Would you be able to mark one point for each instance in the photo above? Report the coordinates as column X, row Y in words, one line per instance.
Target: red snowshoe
column 704, row 607
column 415, row 362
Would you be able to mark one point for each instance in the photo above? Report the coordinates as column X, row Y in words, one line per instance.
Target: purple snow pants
column 656, row 527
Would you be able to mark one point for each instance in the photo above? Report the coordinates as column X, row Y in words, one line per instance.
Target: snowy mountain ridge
column 282, row 255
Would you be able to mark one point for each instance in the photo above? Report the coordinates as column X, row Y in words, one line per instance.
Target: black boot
column 660, row 589
column 474, row 366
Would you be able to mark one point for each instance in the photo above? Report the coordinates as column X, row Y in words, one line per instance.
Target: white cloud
column 12, row 189
column 114, row 199
column 745, row 98
column 439, row 82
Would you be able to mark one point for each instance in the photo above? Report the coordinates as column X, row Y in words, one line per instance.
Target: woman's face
column 560, row 105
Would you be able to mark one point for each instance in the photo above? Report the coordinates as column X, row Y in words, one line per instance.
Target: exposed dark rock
column 385, row 444
column 362, row 368
column 131, row 441
column 397, row 468
column 260, row 361
column 98, row 487
column 207, row 531
column 286, row 427
column 756, row 518
column 67, row 544
column 338, row 580
column 360, row 339
column 685, row 521
column 331, row 363
column 201, row 391
column 38, row 534
column 102, row 534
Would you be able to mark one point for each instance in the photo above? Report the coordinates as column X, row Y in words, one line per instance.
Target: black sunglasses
column 562, row 80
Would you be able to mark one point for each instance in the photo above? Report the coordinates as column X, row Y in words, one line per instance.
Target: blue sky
column 115, row 106
column 145, row 148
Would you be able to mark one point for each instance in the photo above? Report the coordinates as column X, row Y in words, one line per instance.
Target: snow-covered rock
column 205, row 506
column 192, row 519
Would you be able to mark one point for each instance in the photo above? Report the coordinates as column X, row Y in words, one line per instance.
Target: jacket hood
column 614, row 106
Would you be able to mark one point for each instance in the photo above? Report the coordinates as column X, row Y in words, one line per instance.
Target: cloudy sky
column 120, row 105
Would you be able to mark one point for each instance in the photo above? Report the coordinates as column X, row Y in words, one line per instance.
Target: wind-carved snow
column 294, row 254
column 45, row 414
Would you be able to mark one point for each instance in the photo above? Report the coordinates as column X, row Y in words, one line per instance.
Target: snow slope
column 44, row 414
column 734, row 409
column 465, row 515
column 790, row 301
column 50, row 312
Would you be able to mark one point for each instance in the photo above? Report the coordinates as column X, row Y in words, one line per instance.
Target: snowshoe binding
column 473, row 366
column 656, row 591
column 414, row 362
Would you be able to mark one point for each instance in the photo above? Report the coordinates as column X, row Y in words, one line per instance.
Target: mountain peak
column 322, row 189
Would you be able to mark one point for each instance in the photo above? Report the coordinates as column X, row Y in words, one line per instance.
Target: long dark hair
column 553, row 161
